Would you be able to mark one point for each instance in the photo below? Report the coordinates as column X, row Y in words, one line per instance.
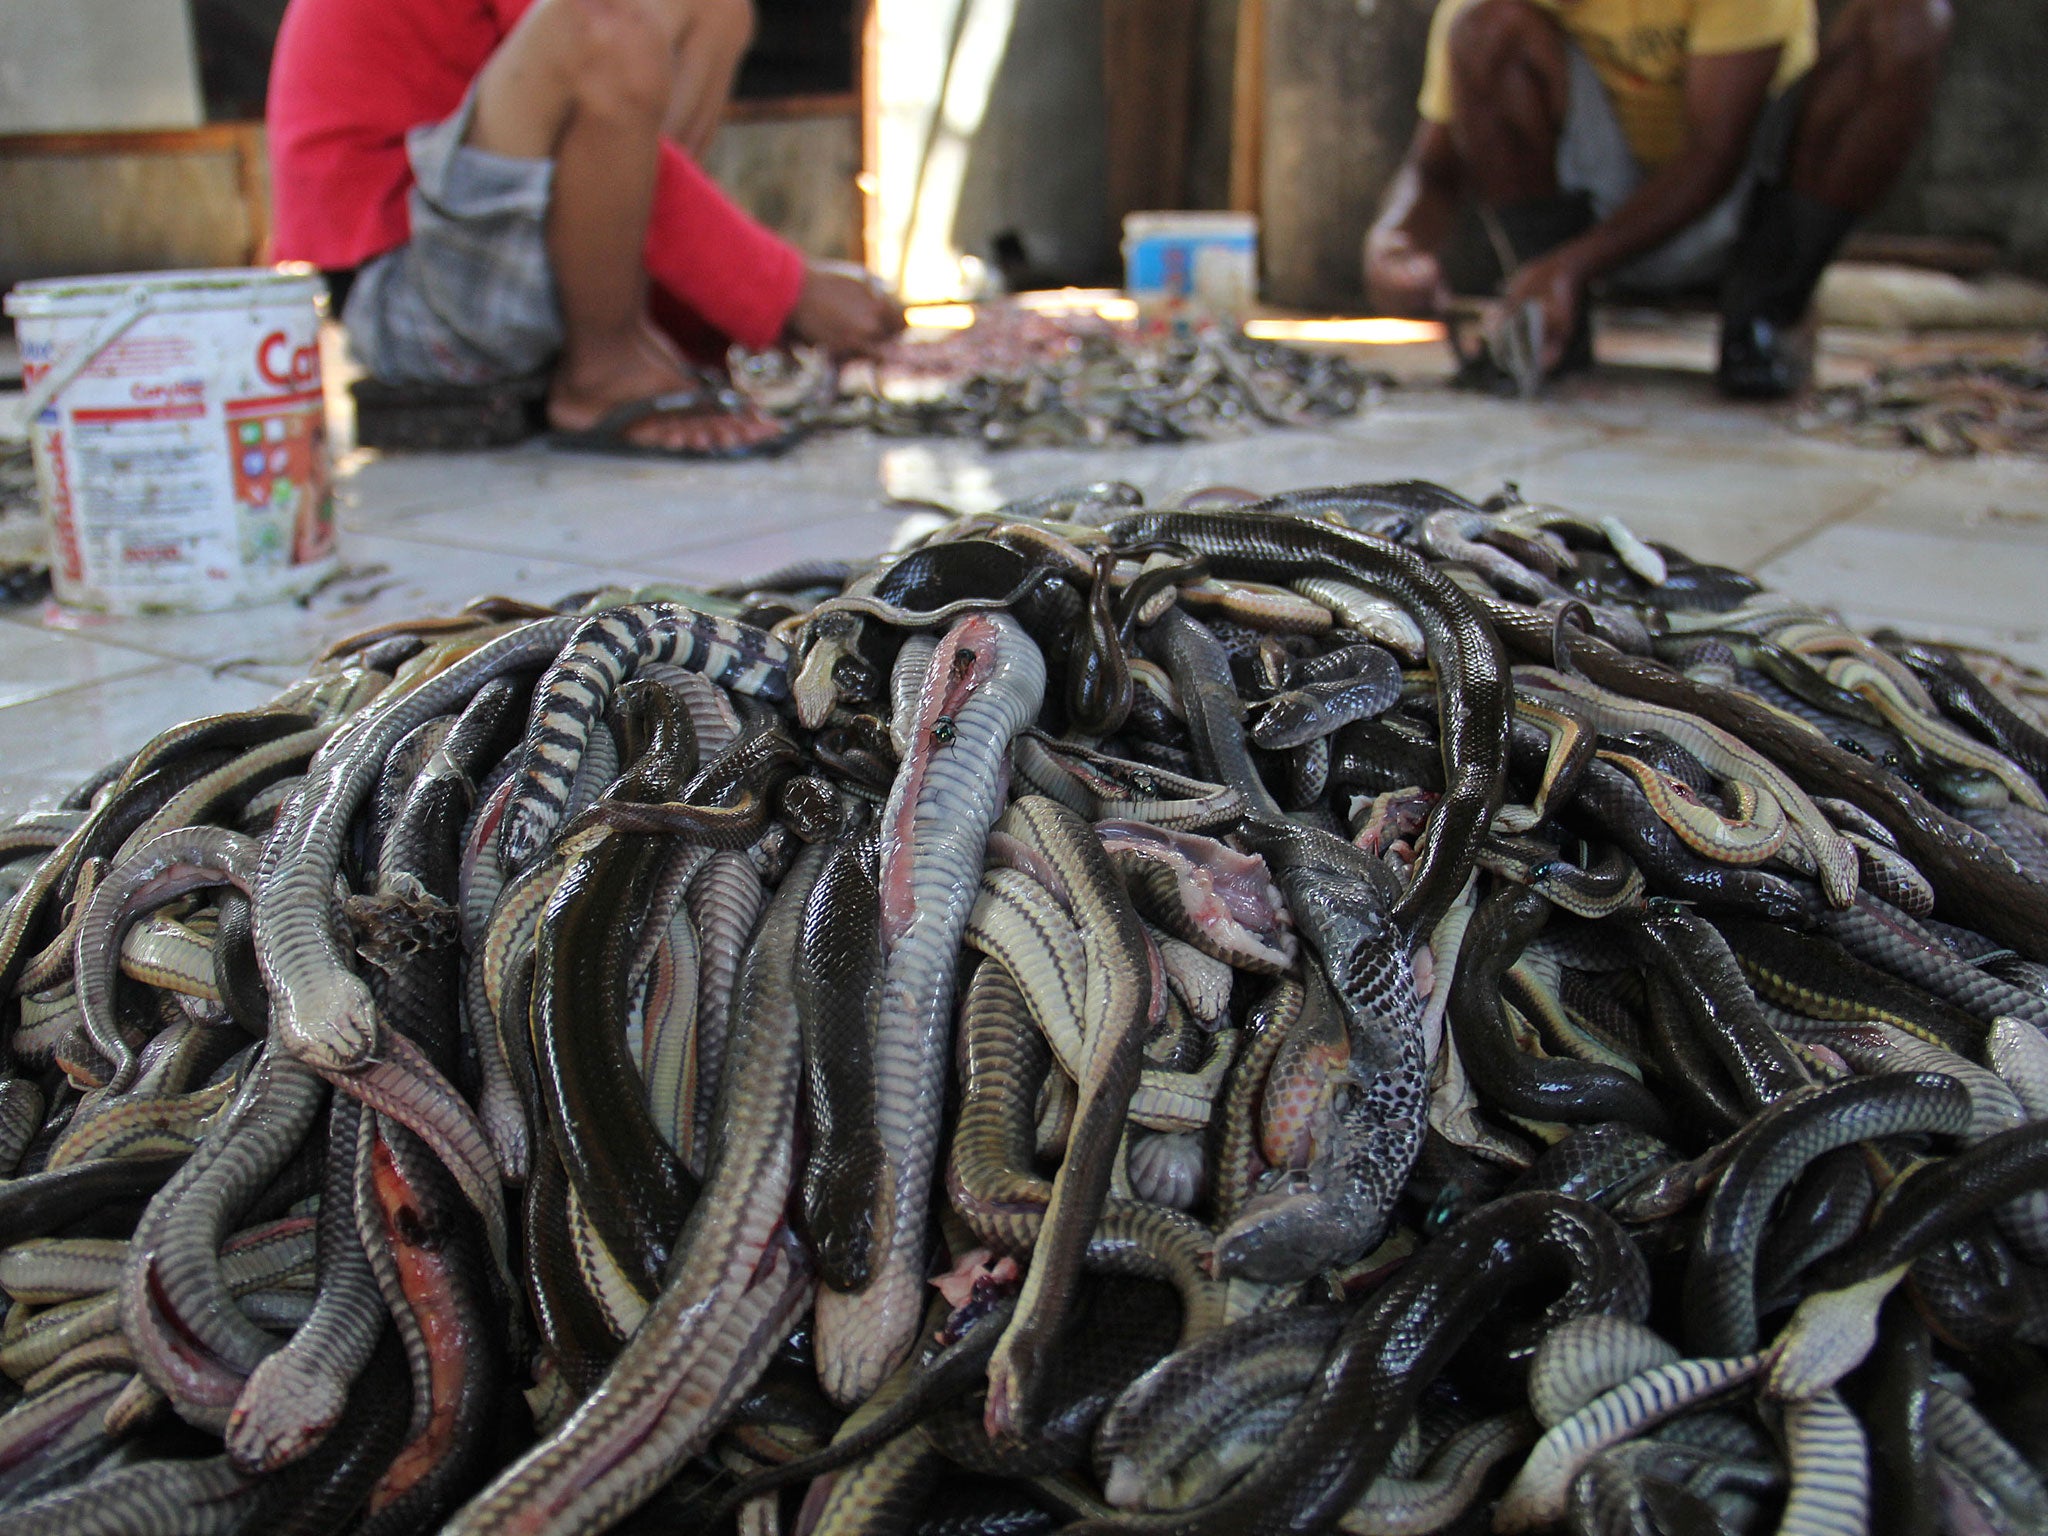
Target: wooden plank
column 780, row 109
column 1962, row 255
column 253, row 163
column 122, row 213
column 208, row 139
column 243, row 142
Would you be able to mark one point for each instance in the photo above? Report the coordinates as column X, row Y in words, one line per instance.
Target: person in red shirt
column 495, row 187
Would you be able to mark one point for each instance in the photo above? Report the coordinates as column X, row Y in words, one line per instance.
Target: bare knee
column 1493, row 38
column 730, row 19
column 1901, row 38
column 1495, row 35
column 622, row 58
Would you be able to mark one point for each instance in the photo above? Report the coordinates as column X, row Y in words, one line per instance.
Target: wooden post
column 1248, row 105
column 869, row 185
column 1148, row 61
column 253, row 164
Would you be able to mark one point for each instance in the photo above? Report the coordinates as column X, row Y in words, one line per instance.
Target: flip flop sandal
column 608, row 433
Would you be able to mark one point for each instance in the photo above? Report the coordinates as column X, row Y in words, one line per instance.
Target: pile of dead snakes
column 1064, row 383
column 1355, row 1011
column 1953, row 408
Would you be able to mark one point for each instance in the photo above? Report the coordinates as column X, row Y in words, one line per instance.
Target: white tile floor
column 1958, row 549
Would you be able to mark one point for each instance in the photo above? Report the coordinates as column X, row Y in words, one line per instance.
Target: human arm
column 745, row 282
column 1402, row 273
column 715, row 259
column 1724, row 97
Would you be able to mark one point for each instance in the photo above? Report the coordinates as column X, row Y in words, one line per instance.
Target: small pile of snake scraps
column 1065, row 384
column 24, row 544
column 1356, row 1011
column 1952, row 409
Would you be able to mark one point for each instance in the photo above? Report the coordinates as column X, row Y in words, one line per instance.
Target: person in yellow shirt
column 1657, row 146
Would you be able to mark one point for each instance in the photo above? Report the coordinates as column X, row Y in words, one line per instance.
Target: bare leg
column 1867, row 100
column 588, row 83
column 1510, row 90
column 1510, row 86
column 716, row 39
column 1865, row 103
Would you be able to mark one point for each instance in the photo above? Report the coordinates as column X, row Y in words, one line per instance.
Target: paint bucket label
column 184, row 467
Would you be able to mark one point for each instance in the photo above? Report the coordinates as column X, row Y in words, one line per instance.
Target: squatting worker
column 1660, row 145
column 495, row 186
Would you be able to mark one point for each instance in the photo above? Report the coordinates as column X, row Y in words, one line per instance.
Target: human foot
column 594, row 384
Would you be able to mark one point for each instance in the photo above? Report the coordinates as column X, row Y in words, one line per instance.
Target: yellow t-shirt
column 1639, row 49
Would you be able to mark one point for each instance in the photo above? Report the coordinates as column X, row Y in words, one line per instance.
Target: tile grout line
column 1605, row 435
column 134, row 648
column 97, row 682
column 544, row 557
column 146, row 657
column 1848, row 513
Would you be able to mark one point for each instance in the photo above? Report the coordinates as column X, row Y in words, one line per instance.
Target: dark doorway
column 802, row 48
column 235, row 39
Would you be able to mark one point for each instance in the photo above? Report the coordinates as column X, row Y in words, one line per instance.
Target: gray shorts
column 470, row 298
column 1593, row 156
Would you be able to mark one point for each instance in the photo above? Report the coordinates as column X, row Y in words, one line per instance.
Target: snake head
column 328, row 1022
column 815, row 688
column 1289, row 719
column 1828, row 1337
column 526, row 828
column 1014, row 1375
column 839, row 1201
column 1292, row 1230
column 285, row 1410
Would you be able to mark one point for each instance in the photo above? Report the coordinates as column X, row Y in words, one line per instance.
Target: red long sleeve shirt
column 351, row 77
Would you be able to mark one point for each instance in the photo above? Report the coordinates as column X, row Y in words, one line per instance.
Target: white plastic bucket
column 180, row 436
column 1201, row 262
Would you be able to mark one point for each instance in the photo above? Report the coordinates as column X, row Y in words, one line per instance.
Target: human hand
column 844, row 310
column 1403, row 279
column 1556, row 285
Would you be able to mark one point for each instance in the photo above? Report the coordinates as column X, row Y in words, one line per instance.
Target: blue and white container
column 179, row 429
column 1192, row 265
